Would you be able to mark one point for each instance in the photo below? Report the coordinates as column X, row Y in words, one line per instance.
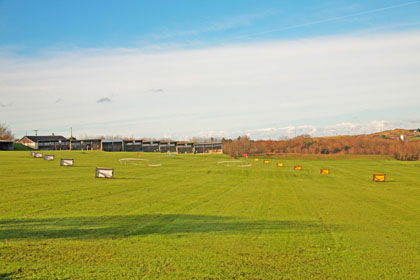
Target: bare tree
column 241, row 145
column 5, row 132
column 206, row 139
column 110, row 137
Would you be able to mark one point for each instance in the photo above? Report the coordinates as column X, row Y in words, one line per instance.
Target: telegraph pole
column 36, row 132
column 71, row 138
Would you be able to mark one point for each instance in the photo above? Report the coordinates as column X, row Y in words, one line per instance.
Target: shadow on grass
column 6, row 276
column 143, row 225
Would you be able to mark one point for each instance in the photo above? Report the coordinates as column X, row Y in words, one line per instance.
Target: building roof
column 133, row 140
column 46, row 138
column 86, row 140
column 112, row 141
column 184, row 142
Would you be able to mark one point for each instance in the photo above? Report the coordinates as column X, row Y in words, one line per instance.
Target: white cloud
column 290, row 131
column 229, row 88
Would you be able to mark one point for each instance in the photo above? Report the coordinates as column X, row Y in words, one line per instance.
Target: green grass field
column 193, row 218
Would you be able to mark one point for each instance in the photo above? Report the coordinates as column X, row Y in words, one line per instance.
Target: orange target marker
column 379, row 177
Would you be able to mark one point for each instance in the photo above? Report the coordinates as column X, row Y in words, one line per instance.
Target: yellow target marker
column 297, row 167
column 256, row 159
column 325, row 171
column 379, row 177
column 266, row 161
column 280, row 164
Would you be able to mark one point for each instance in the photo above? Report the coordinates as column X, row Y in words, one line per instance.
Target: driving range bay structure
column 6, row 145
column 55, row 142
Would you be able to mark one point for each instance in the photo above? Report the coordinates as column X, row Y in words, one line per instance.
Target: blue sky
column 35, row 25
column 215, row 68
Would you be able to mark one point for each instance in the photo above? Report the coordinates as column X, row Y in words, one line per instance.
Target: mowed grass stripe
column 389, row 193
column 371, row 202
column 82, row 192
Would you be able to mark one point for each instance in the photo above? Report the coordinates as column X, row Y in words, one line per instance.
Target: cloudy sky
column 180, row 69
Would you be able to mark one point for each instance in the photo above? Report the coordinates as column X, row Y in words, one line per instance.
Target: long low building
column 151, row 146
column 167, row 146
column 133, row 145
column 184, row 147
column 52, row 142
column 6, row 145
column 86, row 144
column 112, row 145
column 55, row 142
column 208, row 148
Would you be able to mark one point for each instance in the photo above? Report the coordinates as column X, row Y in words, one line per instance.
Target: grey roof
column 112, row 141
column 86, row 140
column 133, row 140
column 46, row 138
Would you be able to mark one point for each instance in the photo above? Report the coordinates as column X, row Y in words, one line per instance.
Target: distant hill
column 381, row 143
column 409, row 134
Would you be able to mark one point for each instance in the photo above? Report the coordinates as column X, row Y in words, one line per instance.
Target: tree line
column 305, row 144
column 5, row 132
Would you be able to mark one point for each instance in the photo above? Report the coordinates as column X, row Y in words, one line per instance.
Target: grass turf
column 193, row 218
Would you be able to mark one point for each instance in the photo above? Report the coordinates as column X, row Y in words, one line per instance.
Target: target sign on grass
column 379, row 177
column 102, row 172
column 67, row 162
column 49, row 157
